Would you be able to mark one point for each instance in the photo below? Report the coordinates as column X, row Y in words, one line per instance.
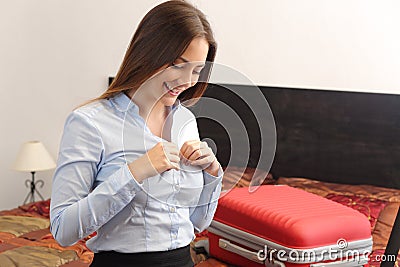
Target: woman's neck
column 148, row 109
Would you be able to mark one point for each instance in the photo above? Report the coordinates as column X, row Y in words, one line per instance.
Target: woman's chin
column 168, row 101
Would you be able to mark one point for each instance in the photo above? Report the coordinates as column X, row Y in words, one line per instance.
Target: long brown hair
column 161, row 37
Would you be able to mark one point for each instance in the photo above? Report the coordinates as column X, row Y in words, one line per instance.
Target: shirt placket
column 173, row 210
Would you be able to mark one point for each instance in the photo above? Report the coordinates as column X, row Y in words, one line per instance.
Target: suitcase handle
column 345, row 263
column 248, row 254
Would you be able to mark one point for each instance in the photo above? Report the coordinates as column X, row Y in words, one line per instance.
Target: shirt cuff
column 126, row 181
column 208, row 178
column 212, row 185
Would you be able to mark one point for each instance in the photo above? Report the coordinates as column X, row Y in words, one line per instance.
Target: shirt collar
column 177, row 104
column 123, row 103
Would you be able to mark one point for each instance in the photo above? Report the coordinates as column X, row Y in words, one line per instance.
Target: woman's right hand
column 162, row 157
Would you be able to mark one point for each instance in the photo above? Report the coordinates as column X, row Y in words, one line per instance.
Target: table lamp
column 33, row 157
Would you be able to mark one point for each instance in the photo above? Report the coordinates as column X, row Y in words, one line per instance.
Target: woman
column 131, row 166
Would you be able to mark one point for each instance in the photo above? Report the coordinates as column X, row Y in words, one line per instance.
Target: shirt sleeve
column 76, row 208
column 202, row 215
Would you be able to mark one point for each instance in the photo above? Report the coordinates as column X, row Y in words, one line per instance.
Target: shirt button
column 177, row 187
column 172, row 209
column 174, row 236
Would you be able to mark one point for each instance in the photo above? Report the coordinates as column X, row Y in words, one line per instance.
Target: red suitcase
column 278, row 225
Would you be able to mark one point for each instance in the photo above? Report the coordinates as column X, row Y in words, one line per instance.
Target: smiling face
column 165, row 86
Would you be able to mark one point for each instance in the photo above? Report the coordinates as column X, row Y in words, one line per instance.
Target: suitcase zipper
column 248, row 254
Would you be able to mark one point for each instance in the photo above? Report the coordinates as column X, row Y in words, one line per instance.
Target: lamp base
column 32, row 185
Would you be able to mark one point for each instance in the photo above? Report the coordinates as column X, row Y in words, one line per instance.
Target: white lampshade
column 33, row 157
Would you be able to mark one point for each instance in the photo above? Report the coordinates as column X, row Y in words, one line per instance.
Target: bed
column 25, row 239
column 336, row 144
column 340, row 145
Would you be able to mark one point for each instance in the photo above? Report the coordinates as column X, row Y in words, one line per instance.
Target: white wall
column 57, row 54
column 337, row 44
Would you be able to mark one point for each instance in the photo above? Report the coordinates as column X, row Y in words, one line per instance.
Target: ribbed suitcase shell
column 286, row 218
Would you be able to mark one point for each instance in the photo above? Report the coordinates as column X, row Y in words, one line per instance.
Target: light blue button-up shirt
column 93, row 189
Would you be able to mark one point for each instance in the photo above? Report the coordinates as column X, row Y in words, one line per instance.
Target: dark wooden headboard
column 334, row 136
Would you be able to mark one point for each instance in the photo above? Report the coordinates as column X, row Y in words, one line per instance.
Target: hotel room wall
column 58, row 54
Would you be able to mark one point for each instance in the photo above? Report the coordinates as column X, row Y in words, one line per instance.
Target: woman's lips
column 172, row 92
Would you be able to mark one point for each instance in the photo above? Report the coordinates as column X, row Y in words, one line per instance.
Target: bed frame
column 332, row 136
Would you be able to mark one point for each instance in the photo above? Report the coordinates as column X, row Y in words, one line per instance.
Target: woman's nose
column 187, row 80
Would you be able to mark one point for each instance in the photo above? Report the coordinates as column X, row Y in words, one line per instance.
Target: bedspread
column 26, row 241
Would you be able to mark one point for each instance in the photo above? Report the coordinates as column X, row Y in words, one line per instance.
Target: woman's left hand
column 198, row 153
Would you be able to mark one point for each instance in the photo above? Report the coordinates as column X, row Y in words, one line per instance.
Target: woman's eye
column 196, row 72
column 175, row 66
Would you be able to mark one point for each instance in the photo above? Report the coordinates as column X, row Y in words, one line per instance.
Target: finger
column 188, row 147
column 184, row 149
column 195, row 155
column 200, row 153
column 174, row 166
column 204, row 161
column 191, row 150
column 171, row 151
column 190, row 142
column 170, row 148
column 173, row 163
column 203, row 145
column 170, row 144
column 173, row 158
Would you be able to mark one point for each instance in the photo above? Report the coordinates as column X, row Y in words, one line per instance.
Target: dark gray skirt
column 172, row 258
